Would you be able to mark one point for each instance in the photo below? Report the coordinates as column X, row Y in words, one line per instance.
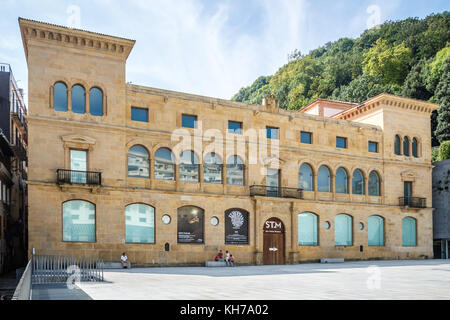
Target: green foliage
column 435, row 155
column 443, row 98
column 390, row 62
column 444, row 151
column 406, row 57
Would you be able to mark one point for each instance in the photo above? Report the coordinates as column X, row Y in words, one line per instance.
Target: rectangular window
column 341, row 142
column 235, row 127
column 78, row 166
column 188, row 121
column 139, row 114
column 373, row 147
column 272, row 133
column 306, row 137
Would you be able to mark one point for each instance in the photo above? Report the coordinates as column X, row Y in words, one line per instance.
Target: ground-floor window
column 343, row 235
column 78, row 221
column 409, row 230
column 139, row 223
column 376, row 231
column 307, row 229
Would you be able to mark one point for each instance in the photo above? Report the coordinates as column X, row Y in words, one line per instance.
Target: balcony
column 19, row 151
column 79, row 177
column 277, row 192
column 19, row 117
column 412, row 202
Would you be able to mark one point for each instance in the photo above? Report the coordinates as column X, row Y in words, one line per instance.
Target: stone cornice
column 388, row 100
column 74, row 38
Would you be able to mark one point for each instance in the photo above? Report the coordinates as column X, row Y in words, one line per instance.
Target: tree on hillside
column 390, row 62
column 414, row 86
column 443, row 98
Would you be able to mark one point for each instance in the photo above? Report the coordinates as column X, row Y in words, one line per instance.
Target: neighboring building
column 13, row 172
column 105, row 178
column 441, row 215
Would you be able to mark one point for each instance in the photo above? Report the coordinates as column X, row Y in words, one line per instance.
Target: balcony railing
column 277, row 192
column 19, row 150
column 412, row 202
column 79, row 177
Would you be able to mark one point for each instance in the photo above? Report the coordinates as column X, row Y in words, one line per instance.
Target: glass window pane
column 139, row 224
column 138, row 162
column 414, row 148
column 341, row 142
column 397, row 145
column 235, row 127
column 358, row 183
column 323, row 183
column 189, row 167
column 306, row 137
column 343, row 230
column 235, row 171
column 272, row 182
column 164, row 166
column 78, row 166
column 78, row 99
column 307, row 229
column 373, row 147
column 212, row 169
column 409, row 232
column 272, row 133
column 374, row 184
column 406, row 146
column 376, row 231
column 341, row 181
column 96, row 102
column 306, row 177
column 188, row 121
column 139, row 114
column 60, row 97
column 78, row 221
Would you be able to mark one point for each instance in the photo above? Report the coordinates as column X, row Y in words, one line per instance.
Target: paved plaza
column 424, row 279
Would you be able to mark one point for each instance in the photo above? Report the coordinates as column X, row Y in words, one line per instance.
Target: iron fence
column 278, row 192
column 79, row 177
column 412, row 202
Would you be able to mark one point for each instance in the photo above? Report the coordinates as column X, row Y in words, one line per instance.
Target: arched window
column 189, row 166
column 397, row 145
column 358, row 182
column 307, row 229
column 139, row 223
column 212, row 168
column 406, row 146
column 96, row 102
column 60, row 96
column 164, row 165
column 375, row 231
column 190, row 225
column 343, row 232
column 306, row 177
column 235, row 171
column 409, row 230
column 78, row 221
column 341, row 181
column 324, row 180
column 138, row 162
column 78, row 99
column 415, row 147
column 374, row 184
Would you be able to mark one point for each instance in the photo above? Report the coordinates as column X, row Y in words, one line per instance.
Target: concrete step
column 112, row 265
column 215, row 264
column 332, row 260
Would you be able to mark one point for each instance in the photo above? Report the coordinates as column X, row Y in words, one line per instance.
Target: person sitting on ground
column 216, row 258
column 231, row 261
column 220, row 255
column 227, row 258
column 124, row 260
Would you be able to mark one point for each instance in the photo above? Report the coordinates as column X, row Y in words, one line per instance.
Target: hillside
column 408, row 58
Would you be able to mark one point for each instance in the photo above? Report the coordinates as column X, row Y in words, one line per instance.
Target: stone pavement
column 424, row 279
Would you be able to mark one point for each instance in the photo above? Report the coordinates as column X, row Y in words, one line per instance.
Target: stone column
column 257, row 231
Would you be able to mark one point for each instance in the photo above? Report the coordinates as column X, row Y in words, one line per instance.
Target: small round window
column 214, row 221
column 326, row 225
column 361, row 226
column 166, row 219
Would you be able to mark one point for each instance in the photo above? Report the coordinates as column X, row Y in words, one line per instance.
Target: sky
column 206, row 47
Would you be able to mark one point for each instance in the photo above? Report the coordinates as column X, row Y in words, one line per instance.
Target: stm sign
column 273, row 225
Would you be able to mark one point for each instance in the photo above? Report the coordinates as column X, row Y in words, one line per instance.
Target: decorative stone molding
column 408, row 176
column 49, row 33
column 78, row 142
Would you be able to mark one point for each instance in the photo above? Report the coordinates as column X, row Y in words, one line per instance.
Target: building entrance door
column 274, row 252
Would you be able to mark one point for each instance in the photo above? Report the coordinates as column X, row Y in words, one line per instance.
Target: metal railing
column 23, row 289
column 51, row 269
column 79, row 177
column 278, row 192
column 19, row 150
column 413, row 202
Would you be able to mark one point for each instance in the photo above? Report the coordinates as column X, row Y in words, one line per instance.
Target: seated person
column 231, row 261
column 216, row 258
column 124, row 260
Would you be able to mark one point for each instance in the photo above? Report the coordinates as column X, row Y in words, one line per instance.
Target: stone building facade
column 107, row 175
